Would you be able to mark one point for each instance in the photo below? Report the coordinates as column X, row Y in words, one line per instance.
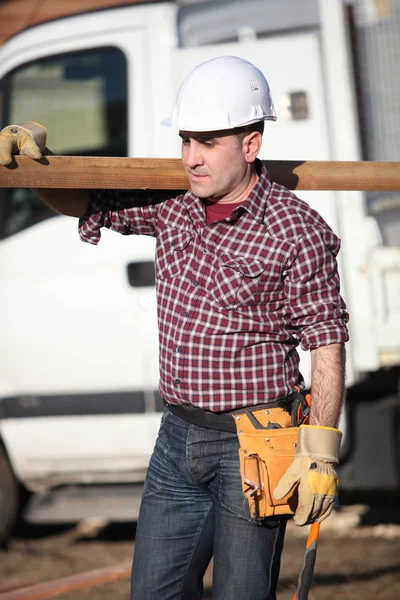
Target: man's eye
column 208, row 143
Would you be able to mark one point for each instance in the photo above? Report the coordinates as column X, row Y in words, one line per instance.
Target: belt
column 209, row 420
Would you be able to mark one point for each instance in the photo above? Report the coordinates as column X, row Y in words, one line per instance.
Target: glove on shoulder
column 28, row 139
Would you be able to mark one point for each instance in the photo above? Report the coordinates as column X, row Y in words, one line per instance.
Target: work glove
column 28, row 139
column 313, row 468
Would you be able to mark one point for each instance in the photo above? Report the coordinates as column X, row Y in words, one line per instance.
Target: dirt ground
column 358, row 556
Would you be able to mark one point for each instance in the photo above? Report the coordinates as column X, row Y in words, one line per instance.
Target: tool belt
column 203, row 418
column 267, row 449
column 267, row 437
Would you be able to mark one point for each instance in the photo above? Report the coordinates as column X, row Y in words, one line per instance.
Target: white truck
column 79, row 407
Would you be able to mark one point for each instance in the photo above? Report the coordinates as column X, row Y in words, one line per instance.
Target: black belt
column 210, row 420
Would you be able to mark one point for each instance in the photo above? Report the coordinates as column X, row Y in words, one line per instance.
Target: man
column 245, row 272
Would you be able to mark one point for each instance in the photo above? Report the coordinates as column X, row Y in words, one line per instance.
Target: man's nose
column 193, row 156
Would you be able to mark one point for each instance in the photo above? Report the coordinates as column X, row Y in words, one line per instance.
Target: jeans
column 193, row 508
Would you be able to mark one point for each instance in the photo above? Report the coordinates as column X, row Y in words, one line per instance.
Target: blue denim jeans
column 193, row 508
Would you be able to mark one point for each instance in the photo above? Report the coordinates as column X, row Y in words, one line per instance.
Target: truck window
column 81, row 98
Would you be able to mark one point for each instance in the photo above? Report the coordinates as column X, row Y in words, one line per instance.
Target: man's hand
column 28, row 139
column 317, row 454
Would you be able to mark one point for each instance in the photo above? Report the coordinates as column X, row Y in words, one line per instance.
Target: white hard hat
column 222, row 93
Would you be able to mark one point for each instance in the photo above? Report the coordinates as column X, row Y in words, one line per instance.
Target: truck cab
column 79, row 404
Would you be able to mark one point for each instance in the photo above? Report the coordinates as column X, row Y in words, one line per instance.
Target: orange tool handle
column 307, row 567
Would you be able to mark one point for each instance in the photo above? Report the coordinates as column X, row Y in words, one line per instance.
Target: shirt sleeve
column 312, row 285
column 124, row 211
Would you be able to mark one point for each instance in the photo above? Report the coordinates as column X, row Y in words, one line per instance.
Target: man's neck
column 241, row 195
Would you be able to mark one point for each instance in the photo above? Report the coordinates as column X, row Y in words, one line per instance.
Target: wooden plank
column 88, row 172
column 156, row 173
column 50, row 589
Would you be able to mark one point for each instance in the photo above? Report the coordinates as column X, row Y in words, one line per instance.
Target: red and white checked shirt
column 235, row 297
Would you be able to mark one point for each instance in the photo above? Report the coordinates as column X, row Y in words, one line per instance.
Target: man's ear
column 252, row 146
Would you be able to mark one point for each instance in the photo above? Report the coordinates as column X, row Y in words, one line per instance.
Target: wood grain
column 70, row 172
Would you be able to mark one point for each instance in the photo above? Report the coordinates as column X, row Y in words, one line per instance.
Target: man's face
column 215, row 164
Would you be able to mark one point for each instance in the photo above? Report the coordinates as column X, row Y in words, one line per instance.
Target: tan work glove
column 28, row 139
column 317, row 453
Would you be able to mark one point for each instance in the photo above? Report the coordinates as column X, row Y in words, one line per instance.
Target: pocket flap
column 246, row 266
column 175, row 239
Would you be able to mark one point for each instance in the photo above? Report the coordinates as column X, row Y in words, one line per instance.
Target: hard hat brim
column 170, row 123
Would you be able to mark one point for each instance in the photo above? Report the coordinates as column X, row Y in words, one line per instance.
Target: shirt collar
column 255, row 203
column 257, row 200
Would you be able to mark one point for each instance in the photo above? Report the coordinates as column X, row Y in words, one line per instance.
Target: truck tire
column 9, row 499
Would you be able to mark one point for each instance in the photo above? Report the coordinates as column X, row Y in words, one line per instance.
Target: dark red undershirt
column 216, row 211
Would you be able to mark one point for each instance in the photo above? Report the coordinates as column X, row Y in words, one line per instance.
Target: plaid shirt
column 235, row 298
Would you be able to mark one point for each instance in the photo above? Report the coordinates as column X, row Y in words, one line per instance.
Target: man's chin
column 200, row 191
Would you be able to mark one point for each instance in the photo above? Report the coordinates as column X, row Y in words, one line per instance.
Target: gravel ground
column 358, row 557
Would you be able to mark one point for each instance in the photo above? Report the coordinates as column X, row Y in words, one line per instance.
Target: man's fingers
column 6, row 149
column 17, row 142
column 313, row 508
column 286, row 483
column 28, row 146
column 327, row 506
column 308, row 506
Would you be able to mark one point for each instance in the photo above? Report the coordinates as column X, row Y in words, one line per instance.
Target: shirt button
column 178, row 349
column 205, row 251
column 186, row 314
column 177, row 381
column 195, row 283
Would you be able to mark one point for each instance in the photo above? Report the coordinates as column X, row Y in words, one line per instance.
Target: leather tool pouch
column 267, row 448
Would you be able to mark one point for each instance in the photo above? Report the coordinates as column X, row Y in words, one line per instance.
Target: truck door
column 79, row 345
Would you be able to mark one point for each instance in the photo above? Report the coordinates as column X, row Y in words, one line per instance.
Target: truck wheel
column 9, row 500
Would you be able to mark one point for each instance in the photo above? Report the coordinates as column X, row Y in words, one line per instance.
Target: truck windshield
column 81, row 98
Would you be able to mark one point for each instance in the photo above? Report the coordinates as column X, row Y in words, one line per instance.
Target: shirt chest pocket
column 237, row 281
column 172, row 252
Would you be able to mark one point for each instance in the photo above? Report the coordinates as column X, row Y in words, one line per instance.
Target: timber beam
column 77, row 172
